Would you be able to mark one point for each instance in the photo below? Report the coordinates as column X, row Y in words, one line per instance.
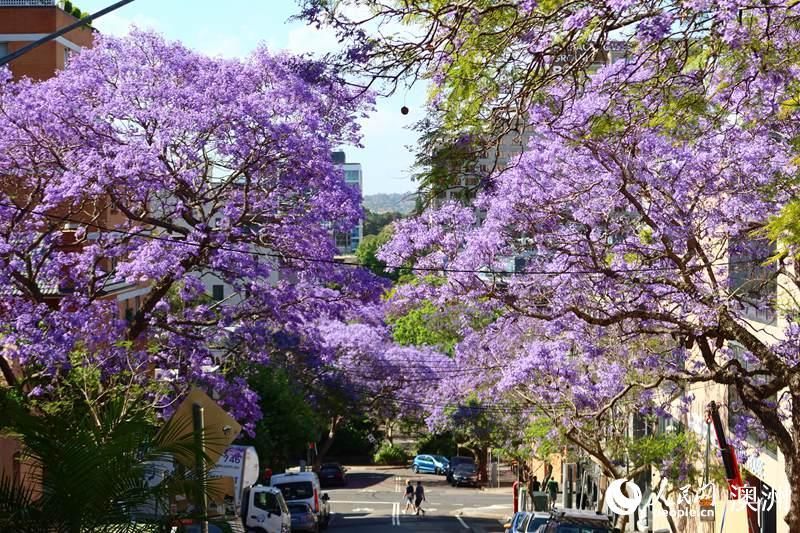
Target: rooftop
column 27, row 3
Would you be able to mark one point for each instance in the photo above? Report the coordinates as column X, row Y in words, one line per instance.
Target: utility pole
column 199, row 426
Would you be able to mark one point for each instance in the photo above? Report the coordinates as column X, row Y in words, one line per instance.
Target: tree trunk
column 665, row 506
column 323, row 450
column 791, row 454
column 483, row 475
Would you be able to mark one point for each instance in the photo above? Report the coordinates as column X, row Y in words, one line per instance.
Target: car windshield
column 299, row 490
column 440, row 458
column 521, row 523
column 467, row 468
column 536, row 522
column 454, row 461
column 329, row 468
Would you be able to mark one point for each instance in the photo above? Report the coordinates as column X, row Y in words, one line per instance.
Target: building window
column 752, row 283
column 738, row 414
column 218, row 292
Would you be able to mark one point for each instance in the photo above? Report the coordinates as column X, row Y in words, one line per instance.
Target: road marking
column 365, row 502
column 363, row 510
column 461, row 521
column 396, row 514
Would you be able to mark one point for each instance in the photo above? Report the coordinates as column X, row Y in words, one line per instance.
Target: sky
column 233, row 28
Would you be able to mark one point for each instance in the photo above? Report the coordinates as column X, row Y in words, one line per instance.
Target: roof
column 293, row 476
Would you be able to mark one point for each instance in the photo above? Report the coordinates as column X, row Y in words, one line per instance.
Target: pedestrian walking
column 409, row 497
column 419, row 497
column 535, row 485
column 552, row 492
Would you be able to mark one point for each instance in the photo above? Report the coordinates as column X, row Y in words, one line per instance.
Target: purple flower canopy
column 627, row 209
column 147, row 164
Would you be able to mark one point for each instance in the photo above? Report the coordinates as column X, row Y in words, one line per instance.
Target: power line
column 66, row 29
column 322, row 260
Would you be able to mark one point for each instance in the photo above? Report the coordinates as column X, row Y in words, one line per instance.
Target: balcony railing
column 27, row 3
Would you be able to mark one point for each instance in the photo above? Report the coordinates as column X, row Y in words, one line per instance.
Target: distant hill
column 388, row 202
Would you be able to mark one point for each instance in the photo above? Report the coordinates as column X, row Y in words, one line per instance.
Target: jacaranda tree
column 147, row 164
column 639, row 201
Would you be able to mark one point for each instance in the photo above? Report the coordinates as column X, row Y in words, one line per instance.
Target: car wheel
column 415, row 469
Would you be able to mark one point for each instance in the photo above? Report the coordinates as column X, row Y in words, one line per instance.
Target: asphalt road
column 372, row 502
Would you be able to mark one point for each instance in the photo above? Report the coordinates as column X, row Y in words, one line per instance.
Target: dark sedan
column 303, row 518
column 455, row 462
column 332, row 474
column 465, row 474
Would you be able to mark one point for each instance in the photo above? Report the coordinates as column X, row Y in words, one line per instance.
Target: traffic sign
column 219, row 432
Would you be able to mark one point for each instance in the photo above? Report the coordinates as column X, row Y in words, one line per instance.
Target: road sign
column 220, row 428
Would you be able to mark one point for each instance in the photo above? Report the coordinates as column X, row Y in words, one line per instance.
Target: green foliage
column 85, row 469
column 785, row 227
column 388, row 454
column 443, row 443
column 674, row 452
column 374, row 223
column 540, row 433
column 426, row 325
column 289, row 422
column 443, row 161
column 352, row 438
column 367, row 251
column 68, row 6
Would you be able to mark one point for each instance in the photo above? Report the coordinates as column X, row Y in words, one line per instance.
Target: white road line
column 365, row 502
column 396, row 514
column 461, row 521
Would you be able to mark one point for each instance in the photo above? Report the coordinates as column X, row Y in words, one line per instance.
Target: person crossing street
column 419, row 497
column 409, row 497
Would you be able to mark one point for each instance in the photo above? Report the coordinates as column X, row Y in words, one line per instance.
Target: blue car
column 433, row 464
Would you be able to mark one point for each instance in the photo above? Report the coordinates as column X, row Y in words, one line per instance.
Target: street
column 373, row 502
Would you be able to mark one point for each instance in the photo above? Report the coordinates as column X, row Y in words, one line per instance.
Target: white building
column 348, row 242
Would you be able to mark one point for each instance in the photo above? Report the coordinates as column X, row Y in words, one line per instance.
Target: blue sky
column 234, row 27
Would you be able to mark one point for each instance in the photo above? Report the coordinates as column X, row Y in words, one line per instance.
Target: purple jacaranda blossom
column 149, row 166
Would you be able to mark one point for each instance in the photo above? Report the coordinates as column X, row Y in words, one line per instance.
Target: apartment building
column 25, row 21
column 347, row 242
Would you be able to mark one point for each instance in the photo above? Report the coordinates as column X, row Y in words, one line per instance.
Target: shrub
column 76, row 12
column 68, row 6
column 390, row 455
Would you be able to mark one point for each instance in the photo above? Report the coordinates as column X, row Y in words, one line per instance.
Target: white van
column 304, row 487
column 264, row 510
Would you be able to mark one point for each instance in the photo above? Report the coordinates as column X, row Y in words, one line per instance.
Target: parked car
column 537, row 520
column 265, row 511
column 518, row 523
column 453, row 462
column 194, row 526
column 433, row 464
column 465, row 474
column 303, row 518
column 332, row 474
column 304, row 487
column 571, row 520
